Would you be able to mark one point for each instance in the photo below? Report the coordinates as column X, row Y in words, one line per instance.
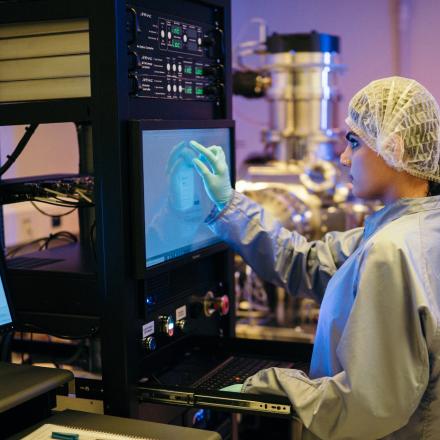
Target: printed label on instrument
column 180, row 313
column 147, row 329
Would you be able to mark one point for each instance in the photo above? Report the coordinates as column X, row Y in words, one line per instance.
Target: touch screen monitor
column 175, row 202
column 5, row 312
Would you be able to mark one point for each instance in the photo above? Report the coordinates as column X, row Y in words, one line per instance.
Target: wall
column 422, row 55
column 53, row 149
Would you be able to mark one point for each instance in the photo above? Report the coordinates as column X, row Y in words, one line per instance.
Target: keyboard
column 235, row 370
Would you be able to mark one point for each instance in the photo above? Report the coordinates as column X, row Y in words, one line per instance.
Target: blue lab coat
column 376, row 360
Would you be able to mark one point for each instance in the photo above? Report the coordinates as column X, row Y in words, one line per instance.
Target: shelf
column 56, row 110
column 19, row 11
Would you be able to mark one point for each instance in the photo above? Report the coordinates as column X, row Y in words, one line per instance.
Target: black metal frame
column 3, row 278
column 107, row 110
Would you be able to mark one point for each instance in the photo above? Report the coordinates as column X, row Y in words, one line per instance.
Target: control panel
column 172, row 58
column 197, row 314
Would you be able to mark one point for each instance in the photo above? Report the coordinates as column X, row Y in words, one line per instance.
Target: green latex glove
column 235, row 388
column 213, row 169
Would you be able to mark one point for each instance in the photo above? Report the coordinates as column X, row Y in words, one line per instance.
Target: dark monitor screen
column 5, row 311
column 175, row 204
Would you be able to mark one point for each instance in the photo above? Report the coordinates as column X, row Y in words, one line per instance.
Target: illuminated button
column 176, row 44
column 166, row 325
column 169, row 87
column 185, row 38
column 180, row 89
column 168, row 66
column 181, row 325
column 199, row 41
column 188, row 70
column 198, row 417
column 150, row 343
column 162, row 33
column 174, row 88
column 176, row 30
column 169, row 35
column 179, row 67
column 222, row 305
column 150, row 300
column 174, row 67
column 214, row 304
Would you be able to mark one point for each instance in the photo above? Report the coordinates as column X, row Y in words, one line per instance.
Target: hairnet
column 400, row 120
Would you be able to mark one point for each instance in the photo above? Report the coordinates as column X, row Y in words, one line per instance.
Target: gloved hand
column 215, row 177
column 235, row 388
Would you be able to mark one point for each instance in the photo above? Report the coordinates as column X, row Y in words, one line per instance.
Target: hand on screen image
column 213, row 169
column 235, row 388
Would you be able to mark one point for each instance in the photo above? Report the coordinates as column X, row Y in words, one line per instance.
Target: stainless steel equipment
column 298, row 177
column 299, row 79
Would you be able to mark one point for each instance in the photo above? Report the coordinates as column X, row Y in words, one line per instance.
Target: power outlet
column 23, row 223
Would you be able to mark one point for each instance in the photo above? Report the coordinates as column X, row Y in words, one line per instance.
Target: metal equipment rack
column 107, row 110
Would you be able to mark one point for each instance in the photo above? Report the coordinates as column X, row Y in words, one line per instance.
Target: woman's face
column 371, row 177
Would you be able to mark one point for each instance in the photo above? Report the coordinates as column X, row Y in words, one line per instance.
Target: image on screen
column 5, row 314
column 176, row 204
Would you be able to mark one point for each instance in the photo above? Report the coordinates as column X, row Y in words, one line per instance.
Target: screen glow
column 176, row 204
column 5, row 314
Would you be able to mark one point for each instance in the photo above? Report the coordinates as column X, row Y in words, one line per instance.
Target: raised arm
column 278, row 255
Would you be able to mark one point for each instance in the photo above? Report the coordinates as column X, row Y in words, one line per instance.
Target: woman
column 376, row 361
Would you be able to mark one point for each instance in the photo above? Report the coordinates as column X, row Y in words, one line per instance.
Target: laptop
column 194, row 373
column 21, row 383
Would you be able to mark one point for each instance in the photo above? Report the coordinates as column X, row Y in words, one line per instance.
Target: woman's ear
column 393, row 150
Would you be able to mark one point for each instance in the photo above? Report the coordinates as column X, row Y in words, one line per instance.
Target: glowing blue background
column 170, row 234
column 5, row 315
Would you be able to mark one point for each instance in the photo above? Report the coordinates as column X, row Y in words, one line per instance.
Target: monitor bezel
column 3, row 274
column 137, row 196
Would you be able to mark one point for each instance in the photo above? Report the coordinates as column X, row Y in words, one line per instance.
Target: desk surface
column 119, row 425
column 21, row 383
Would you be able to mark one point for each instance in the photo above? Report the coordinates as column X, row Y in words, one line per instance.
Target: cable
column 64, row 204
column 83, row 196
column 52, row 215
column 29, row 131
column 20, row 247
column 61, row 235
column 67, row 201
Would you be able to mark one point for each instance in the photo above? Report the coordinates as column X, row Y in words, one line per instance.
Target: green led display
column 176, row 30
column 188, row 70
column 188, row 90
column 199, row 91
column 177, row 44
column 199, row 71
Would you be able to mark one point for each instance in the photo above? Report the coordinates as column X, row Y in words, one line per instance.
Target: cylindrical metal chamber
column 303, row 95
